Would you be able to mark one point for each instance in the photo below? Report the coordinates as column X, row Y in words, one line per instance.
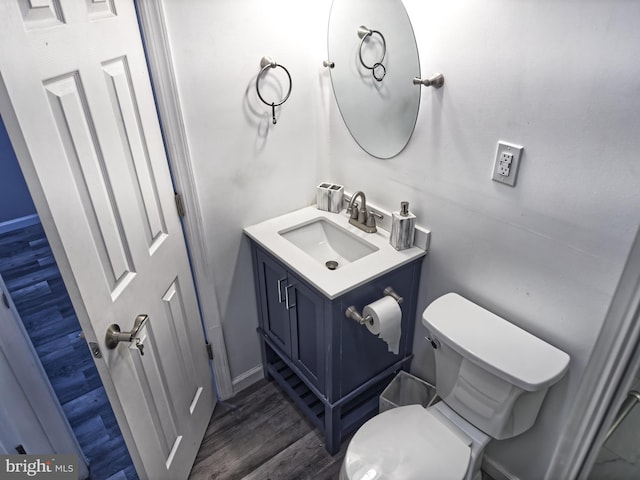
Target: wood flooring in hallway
column 36, row 287
column 260, row 435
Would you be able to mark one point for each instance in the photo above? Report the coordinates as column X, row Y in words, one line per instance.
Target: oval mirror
column 375, row 56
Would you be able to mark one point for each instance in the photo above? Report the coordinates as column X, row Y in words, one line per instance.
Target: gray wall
column 559, row 78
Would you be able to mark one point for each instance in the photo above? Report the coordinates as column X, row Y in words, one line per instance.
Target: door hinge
column 209, row 350
column 180, row 205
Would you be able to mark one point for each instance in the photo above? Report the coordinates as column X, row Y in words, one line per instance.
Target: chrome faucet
column 360, row 217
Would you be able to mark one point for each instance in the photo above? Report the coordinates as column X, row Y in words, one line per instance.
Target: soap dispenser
column 402, row 227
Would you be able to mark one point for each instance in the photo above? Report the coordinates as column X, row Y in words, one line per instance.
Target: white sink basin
column 328, row 243
column 304, row 240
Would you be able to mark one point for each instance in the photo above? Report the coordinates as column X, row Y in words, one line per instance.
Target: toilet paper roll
column 386, row 321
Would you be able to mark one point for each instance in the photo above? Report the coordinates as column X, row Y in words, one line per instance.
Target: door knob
column 115, row 335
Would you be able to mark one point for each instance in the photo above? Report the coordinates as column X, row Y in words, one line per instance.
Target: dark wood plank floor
column 260, row 435
column 35, row 285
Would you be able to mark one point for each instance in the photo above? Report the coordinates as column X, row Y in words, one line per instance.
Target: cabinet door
column 275, row 317
column 307, row 330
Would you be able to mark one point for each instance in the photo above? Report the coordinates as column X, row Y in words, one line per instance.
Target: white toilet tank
column 492, row 373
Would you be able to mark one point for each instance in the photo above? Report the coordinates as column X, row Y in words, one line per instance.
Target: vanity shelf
column 333, row 368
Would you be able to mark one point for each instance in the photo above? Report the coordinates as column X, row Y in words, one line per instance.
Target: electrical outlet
column 507, row 161
column 506, row 158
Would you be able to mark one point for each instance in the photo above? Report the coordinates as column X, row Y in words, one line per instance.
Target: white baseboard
column 495, row 470
column 246, row 379
column 18, row 223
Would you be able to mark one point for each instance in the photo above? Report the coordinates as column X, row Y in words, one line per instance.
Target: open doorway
column 619, row 455
column 36, row 287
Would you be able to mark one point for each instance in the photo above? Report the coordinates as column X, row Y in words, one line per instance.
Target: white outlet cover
column 501, row 165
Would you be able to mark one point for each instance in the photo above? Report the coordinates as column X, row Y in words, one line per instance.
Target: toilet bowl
column 492, row 378
column 414, row 443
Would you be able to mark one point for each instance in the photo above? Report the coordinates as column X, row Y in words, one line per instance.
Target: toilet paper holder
column 352, row 312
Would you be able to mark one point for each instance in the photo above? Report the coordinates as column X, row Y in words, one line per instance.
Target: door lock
column 115, row 336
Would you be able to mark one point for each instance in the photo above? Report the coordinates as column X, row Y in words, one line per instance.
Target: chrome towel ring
column 265, row 64
column 377, row 70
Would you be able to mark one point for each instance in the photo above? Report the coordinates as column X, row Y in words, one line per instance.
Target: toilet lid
column 406, row 443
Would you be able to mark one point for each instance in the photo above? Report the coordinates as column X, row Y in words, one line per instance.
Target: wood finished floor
column 35, row 285
column 260, row 435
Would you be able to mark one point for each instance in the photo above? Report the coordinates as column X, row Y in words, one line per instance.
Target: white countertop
column 331, row 283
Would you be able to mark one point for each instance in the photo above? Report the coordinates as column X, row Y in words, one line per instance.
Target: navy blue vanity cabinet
column 272, row 279
column 291, row 317
column 333, row 368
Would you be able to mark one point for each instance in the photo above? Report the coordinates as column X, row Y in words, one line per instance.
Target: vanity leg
column 267, row 358
column 266, row 374
column 332, row 429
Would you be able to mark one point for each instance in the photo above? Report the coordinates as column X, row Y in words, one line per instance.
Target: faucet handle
column 354, row 211
column 371, row 218
column 363, row 216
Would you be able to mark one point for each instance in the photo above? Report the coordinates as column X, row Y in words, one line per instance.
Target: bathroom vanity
column 332, row 367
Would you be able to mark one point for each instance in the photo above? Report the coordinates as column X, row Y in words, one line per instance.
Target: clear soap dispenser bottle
column 402, row 228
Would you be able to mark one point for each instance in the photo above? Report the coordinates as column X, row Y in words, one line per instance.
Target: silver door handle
column 115, row 336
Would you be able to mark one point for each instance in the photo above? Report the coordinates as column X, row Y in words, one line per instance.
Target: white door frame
column 158, row 49
column 614, row 361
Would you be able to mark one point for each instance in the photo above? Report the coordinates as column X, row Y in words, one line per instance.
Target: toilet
column 491, row 377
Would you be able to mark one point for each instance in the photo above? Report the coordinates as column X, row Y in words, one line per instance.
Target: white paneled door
column 76, row 97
